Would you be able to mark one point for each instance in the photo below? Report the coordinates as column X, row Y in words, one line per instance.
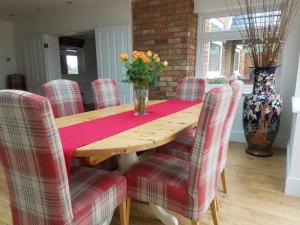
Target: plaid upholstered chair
column 182, row 146
column 106, row 93
column 186, row 187
column 64, row 96
column 191, row 89
column 237, row 87
column 33, row 161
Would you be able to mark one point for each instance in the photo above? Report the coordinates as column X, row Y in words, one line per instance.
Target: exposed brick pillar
column 168, row 27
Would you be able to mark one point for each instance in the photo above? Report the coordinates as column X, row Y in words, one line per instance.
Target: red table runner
column 81, row 134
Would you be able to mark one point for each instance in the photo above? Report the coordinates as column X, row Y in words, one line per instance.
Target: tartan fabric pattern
column 35, row 170
column 106, row 93
column 205, row 153
column 181, row 147
column 95, row 194
column 186, row 187
column 64, row 96
column 162, row 180
column 237, row 87
column 33, row 161
column 191, row 89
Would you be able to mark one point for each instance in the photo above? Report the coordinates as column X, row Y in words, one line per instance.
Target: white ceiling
column 24, row 8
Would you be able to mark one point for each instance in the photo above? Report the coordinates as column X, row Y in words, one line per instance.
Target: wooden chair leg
column 223, row 178
column 123, row 213
column 195, row 222
column 128, row 209
column 214, row 212
column 217, row 204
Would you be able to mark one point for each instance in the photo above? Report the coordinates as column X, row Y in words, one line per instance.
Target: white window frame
column 215, row 72
column 218, row 36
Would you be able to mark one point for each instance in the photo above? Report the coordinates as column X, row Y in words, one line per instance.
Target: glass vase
column 140, row 101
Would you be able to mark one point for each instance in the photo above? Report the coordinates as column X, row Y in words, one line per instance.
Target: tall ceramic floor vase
column 262, row 109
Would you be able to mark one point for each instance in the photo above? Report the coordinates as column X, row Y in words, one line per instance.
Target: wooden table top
column 143, row 137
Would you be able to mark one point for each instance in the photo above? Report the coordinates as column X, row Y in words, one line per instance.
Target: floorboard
column 255, row 195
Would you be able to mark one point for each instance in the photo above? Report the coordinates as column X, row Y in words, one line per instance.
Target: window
column 230, row 23
column 220, row 51
column 221, row 60
column 236, row 62
column 215, row 25
column 70, row 61
column 214, row 59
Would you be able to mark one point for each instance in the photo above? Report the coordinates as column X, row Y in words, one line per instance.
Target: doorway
column 79, row 63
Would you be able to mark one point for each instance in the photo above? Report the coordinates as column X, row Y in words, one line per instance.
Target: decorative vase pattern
column 262, row 109
column 140, row 101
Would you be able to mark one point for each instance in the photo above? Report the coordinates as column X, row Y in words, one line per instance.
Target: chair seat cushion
column 181, row 147
column 162, row 180
column 95, row 194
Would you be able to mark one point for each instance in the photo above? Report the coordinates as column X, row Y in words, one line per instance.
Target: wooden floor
column 255, row 195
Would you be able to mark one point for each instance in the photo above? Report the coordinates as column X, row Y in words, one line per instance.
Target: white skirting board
column 292, row 186
column 238, row 136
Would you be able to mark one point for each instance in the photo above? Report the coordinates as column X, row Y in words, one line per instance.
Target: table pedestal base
column 165, row 217
column 125, row 161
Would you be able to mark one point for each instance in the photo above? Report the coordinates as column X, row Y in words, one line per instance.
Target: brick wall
column 169, row 28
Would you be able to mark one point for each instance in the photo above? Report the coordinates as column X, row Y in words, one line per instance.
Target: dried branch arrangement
column 264, row 26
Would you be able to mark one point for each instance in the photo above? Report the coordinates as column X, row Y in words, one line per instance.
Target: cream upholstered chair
column 186, row 187
column 64, row 96
column 106, row 93
column 33, row 161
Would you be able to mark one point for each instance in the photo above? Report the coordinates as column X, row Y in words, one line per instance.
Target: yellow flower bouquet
column 144, row 68
column 142, row 72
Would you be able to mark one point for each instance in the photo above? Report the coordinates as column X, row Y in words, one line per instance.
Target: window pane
column 215, row 28
column 231, row 23
column 221, row 60
column 236, row 63
column 72, row 62
column 214, row 57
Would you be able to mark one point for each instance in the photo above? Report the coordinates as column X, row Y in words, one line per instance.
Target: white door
column 110, row 42
column 52, row 57
column 41, row 61
column 35, row 63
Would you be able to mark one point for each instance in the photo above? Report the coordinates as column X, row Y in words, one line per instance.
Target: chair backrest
column 237, row 87
column 64, row 96
column 204, row 162
column 191, row 89
column 106, row 93
column 33, row 160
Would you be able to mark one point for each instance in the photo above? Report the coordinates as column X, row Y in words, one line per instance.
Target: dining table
column 127, row 143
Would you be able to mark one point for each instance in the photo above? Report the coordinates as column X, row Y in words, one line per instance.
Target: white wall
column 293, row 167
column 289, row 68
column 7, row 50
column 109, row 12
column 287, row 75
